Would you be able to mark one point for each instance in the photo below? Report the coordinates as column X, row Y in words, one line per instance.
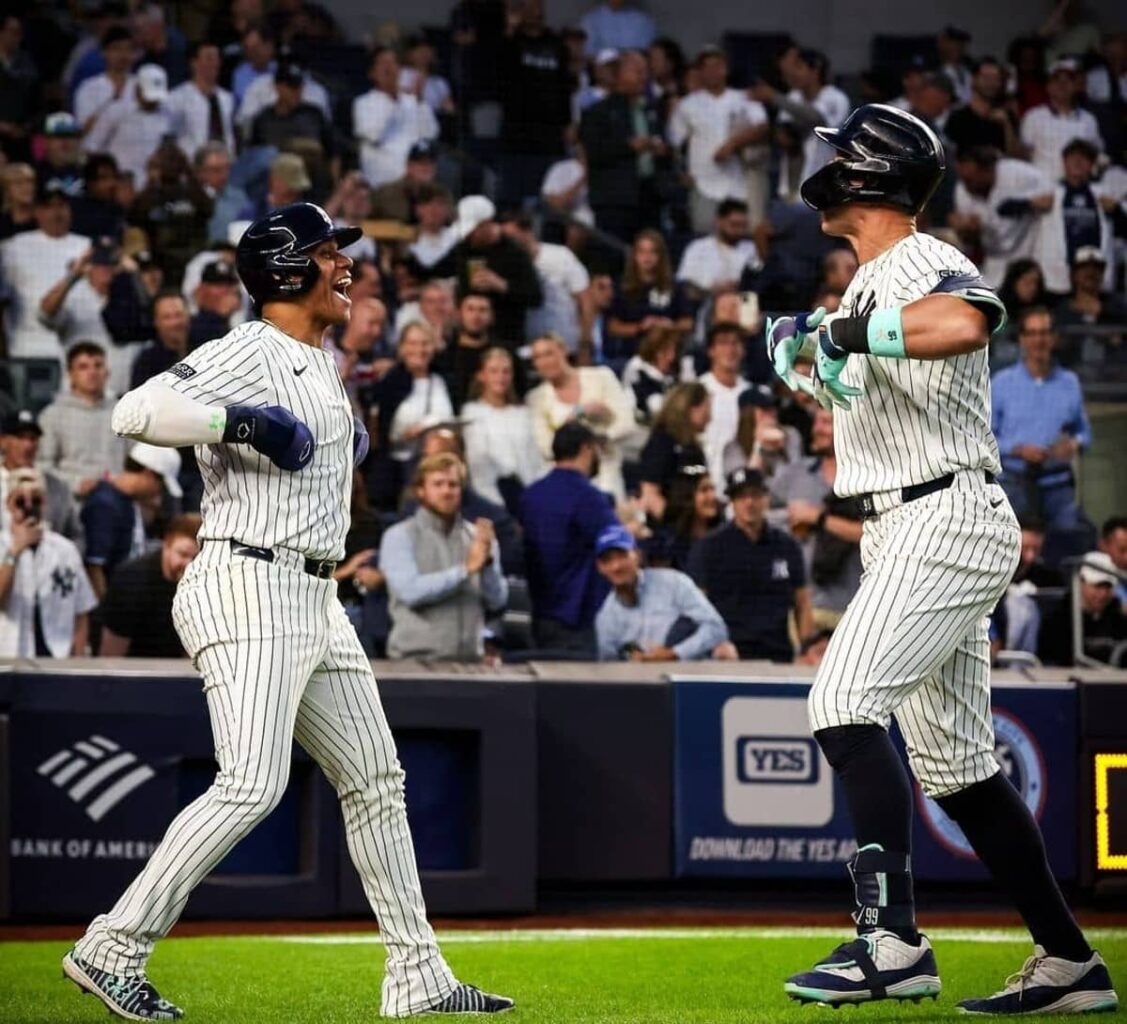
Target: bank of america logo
column 96, row 774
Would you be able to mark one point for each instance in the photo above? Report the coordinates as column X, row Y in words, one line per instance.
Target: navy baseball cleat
column 1048, row 984
column 133, row 998
column 468, row 999
column 876, row 965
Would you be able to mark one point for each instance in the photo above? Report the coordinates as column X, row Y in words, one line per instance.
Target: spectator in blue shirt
column 1041, row 426
column 655, row 614
column 115, row 511
column 562, row 515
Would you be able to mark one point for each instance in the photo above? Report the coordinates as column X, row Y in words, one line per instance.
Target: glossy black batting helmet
column 886, row 156
column 272, row 257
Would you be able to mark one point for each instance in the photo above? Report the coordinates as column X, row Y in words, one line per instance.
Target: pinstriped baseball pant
column 913, row 642
column 281, row 661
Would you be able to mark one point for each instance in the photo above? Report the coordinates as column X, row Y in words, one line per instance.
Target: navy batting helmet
column 273, row 257
column 888, row 156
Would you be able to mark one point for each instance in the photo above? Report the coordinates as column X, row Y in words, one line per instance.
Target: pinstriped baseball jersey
column 246, row 497
column 916, row 420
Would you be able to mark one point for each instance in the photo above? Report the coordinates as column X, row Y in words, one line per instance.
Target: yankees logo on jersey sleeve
column 246, row 497
column 916, row 420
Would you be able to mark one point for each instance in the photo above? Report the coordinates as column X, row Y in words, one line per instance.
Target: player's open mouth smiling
column 341, row 286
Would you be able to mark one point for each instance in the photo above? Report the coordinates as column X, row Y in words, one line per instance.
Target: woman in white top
column 501, row 453
column 592, row 393
column 428, row 402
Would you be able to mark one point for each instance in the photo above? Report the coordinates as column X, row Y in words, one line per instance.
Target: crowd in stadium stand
column 573, row 235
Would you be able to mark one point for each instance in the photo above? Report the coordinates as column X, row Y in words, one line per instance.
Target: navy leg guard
column 882, row 885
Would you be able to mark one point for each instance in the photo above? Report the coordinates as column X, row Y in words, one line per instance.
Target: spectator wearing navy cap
column 754, row 574
column 563, row 514
column 290, row 117
column 761, row 441
column 97, row 213
column 72, row 306
column 652, row 614
column 218, row 297
column 396, row 200
column 61, row 166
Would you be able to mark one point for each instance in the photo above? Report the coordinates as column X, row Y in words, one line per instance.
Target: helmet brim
column 831, row 137
column 344, row 237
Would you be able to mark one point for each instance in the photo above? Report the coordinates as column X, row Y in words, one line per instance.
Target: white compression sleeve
column 157, row 414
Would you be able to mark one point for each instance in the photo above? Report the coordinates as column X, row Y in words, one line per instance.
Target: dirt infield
column 673, row 917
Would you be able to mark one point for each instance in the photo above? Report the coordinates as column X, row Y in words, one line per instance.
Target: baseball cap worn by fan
column 152, row 83
column 219, row 272
column 289, row 73
column 61, row 125
column 290, row 168
column 424, row 149
column 473, row 211
column 758, row 396
column 1088, row 254
column 1097, row 568
column 744, row 479
column 21, row 421
column 165, row 462
column 614, row 538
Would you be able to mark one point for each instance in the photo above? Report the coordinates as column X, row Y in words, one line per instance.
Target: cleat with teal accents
column 1050, row 984
column 876, row 965
column 132, row 998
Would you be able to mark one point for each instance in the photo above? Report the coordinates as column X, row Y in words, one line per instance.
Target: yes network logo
column 774, row 773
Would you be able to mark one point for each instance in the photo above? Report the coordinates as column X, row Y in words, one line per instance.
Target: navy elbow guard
column 882, row 884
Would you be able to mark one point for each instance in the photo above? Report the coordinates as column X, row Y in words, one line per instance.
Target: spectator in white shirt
column 501, row 452
column 31, row 263
column 999, row 203
column 1048, row 128
column 258, row 46
column 388, row 122
column 713, row 264
column 418, row 77
column 1108, row 80
column 565, row 190
column 811, row 102
column 717, row 123
column 98, row 92
column 72, row 308
column 203, row 110
column 434, row 208
column 590, row 393
column 130, row 129
column 45, row 595
column 563, row 280
column 262, row 93
column 725, row 384
column 351, row 203
column 951, row 45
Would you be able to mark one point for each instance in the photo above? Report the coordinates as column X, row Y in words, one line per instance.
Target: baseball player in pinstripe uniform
column 904, row 365
column 258, row 613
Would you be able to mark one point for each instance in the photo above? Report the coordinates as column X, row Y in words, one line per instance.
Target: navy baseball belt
column 323, row 568
column 866, row 503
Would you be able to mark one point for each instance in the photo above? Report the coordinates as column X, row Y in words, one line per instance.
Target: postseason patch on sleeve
column 182, row 370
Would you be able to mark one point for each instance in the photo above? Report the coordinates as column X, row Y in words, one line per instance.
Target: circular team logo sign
column 1020, row 758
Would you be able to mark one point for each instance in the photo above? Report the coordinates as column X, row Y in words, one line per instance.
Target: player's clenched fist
column 786, row 338
column 272, row 430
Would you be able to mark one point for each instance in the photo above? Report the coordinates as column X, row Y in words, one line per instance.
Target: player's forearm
column 934, row 327
column 159, row 415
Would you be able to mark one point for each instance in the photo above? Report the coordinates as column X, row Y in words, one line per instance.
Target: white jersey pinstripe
column 280, row 661
column 913, row 642
column 916, row 421
column 246, row 497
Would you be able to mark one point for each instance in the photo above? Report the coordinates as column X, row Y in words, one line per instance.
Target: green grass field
column 661, row 976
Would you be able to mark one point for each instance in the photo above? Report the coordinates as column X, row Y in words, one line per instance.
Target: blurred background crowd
column 573, row 237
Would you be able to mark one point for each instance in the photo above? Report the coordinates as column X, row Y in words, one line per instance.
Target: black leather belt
column 914, row 491
column 323, row 569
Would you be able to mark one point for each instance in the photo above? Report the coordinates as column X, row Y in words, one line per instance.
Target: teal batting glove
column 825, row 381
column 786, row 338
